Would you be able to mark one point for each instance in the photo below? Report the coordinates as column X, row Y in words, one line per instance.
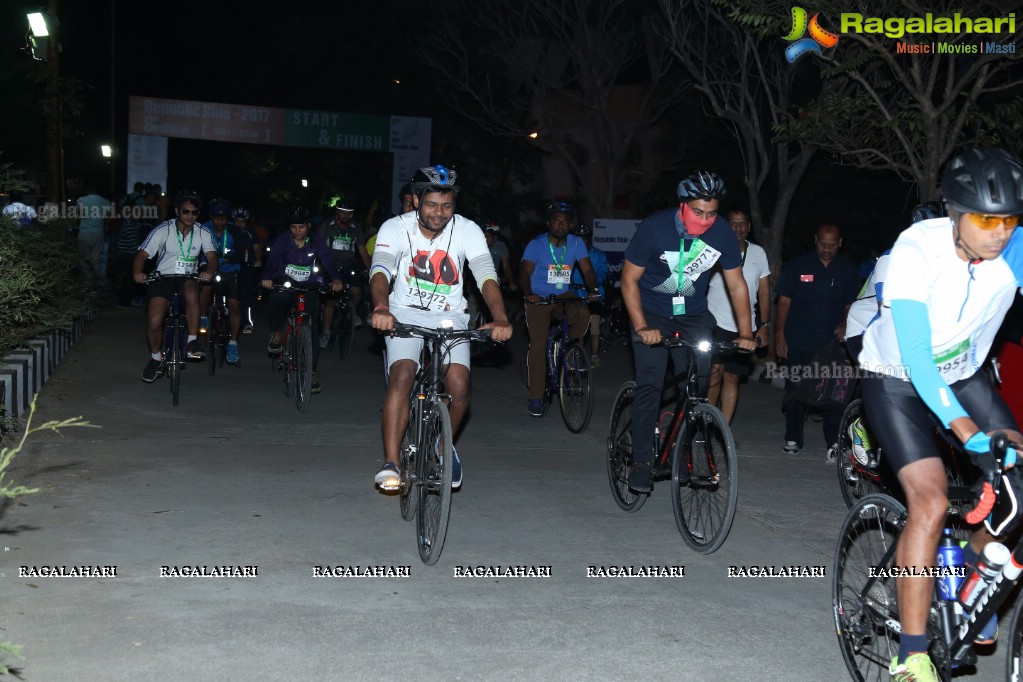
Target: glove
column 979, row 447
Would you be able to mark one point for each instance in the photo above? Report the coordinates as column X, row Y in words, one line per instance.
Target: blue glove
column 978, row 444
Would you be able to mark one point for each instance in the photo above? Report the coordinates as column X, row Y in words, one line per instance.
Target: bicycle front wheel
column 704, row 479
column 855, row 479
column 1014, row 666
column 175, row 361
column 346, row 329
column 212, row 338
column 619, row 450
column 434, row 483
column 575, row 391
column 303, row 362
column 407, row 465
column 864, row 606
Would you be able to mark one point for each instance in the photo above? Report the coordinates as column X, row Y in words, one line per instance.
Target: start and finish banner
column 408, row 138
column 612, row 237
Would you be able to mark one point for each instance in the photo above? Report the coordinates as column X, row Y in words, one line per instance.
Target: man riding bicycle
column 177, row 243
column 424, row 253
column 948, row 285
column 231, row 250
column 348, row 246
column 664, row 293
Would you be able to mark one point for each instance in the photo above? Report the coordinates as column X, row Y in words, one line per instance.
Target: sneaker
column 831, row 456
column 358, row 322
column 151, row 371
column 204, row 323
column 596, row 362
column 232, row 353
column 247, row 329
column 791, row 447
column 324, row 340
column 456, row 470
column 535, row 408
column 989, row 634
column 194, row 351
column 316, row 384
column 861, row 445
column 639, row 477
column 916, row 668
column 388, row 478
column 274, row 344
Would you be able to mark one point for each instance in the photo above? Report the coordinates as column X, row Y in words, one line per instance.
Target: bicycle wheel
column 704, row 479
column 212, row 338
column 175, row 361
column 345, row 334
column 407, row 464
column 864, row 608
column 619, row 450
column 856, row 480
column 575, row 391
column 1014, row 666
column 303, row 363
column 434, row 483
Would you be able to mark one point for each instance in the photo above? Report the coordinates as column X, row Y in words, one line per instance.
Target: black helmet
column 434, row 179
column 583, row 230
column 297, row 215
column 341, row 203
column 928, row 210
column 560, row 207
column 219, row 208
column 241, row 213
column 189, row 196
column 984, row 180
column 701, row 185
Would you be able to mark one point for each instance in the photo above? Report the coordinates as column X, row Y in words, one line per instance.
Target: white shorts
column 400, row 348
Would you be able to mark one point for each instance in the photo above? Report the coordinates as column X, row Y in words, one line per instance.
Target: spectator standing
column 93, row 215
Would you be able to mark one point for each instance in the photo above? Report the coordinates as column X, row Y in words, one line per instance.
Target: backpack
column 830, row 387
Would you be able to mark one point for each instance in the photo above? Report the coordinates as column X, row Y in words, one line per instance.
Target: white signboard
column 147, row 160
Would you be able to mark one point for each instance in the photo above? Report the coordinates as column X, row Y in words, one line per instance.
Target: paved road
column 236, row 476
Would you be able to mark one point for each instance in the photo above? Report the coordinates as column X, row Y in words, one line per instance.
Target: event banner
column 612, row 237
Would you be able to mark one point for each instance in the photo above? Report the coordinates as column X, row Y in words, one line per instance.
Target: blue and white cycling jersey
column 864, row 310
column 939, row 314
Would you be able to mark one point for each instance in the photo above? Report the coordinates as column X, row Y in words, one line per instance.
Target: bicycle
column 567, row 369
column 296, row 357
column 695, row 450
column 175, row 337
column 425, row 456
column 218, row 329
column 864, row 597
column 342, row 326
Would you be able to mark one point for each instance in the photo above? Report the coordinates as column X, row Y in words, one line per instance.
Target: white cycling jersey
column 178, row 254
column 864, row 310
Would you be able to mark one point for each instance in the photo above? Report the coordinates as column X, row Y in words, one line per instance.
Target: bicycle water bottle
column 989, row 565
column 950, row 555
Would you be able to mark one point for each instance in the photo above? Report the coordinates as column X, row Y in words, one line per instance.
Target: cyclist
column 176, row 244
column 252, row 260
column 598, row 259
column 547, row 265
column 424, row 252
column 231, row 250
column 301, row 260
column 947, row 288
column 663, row 298
column 499, row 253
column 348, row 247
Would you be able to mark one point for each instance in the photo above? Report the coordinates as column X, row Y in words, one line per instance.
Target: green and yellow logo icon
column 818, row 41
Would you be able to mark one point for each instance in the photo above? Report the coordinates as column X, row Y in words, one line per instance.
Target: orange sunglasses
column 990, row 222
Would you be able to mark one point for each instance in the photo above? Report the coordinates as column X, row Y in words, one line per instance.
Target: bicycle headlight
column 703, row 346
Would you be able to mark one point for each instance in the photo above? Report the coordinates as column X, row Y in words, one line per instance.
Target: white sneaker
column 790, row 447
column 324, row 339
column 831, row 456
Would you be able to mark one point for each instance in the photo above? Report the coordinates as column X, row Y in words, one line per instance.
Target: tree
column 907, row 112
column 555, row 68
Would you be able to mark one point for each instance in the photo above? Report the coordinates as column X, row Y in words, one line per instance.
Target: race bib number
column 559, row 276
column 951, row 361
column 341, row 245
column 298, row 273
column 186, row 266
column 678, row 305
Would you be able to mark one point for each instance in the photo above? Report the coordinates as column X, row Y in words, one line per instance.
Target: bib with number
column 186, row 266
column 950, row 361
column 298, row 273
column 559, row 275
column 342, row 244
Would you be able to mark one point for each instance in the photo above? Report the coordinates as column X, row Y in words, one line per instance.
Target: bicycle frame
column 700, row 360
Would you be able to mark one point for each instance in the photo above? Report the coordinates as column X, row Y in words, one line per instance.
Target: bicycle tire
column 854, row 479
column 346, row 329
column 434, row 483
column 704, row 479
column 176, row 363
column 619, row 450
column 575, row 390
column 303, row 364
column 408, row 496
column 212, row 339
column 867, row 642
column 1014, row 662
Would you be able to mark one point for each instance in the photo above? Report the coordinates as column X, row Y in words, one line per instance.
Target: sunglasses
column 990, row 222
column 189, row 211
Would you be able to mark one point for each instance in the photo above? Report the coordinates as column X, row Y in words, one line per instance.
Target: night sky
column 329, row 56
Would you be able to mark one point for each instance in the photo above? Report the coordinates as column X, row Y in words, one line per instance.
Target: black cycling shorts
column 734, row 363
column 904, row 426
column 165, row 288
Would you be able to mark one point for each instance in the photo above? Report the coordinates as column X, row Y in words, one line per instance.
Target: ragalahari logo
column 819, row 38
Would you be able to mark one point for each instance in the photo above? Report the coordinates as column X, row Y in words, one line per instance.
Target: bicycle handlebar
column 1000, row 443
column 154, row 276
column 440, row 333
column 702, row 346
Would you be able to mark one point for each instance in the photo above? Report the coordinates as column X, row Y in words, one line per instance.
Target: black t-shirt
column 819, row 296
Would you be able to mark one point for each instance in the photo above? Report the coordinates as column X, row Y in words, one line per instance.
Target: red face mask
column 694, row 224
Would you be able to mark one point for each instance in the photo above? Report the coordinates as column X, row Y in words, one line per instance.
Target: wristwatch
column 765, row 325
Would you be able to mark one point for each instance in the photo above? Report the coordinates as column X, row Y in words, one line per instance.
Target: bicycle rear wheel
column 863, row 606
column 303, row 363
column 619, row 450
column 408, row 463
column 175, row 362
column 575, row 391
column 704, row 479
column 856, row 480
column 346, row 329
column 434, row 483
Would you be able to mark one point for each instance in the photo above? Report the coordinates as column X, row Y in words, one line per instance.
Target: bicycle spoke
column 619, row 450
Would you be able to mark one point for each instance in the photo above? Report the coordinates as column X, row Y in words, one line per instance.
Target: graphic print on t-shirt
column 433, row 271
column 698, row 259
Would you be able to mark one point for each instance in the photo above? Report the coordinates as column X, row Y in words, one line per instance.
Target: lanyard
column 181, row 244
column 683, row 251
column 564, row 250
column 223, row 244
column 744, row 252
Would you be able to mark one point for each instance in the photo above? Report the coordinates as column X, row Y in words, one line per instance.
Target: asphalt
column 236, row 476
